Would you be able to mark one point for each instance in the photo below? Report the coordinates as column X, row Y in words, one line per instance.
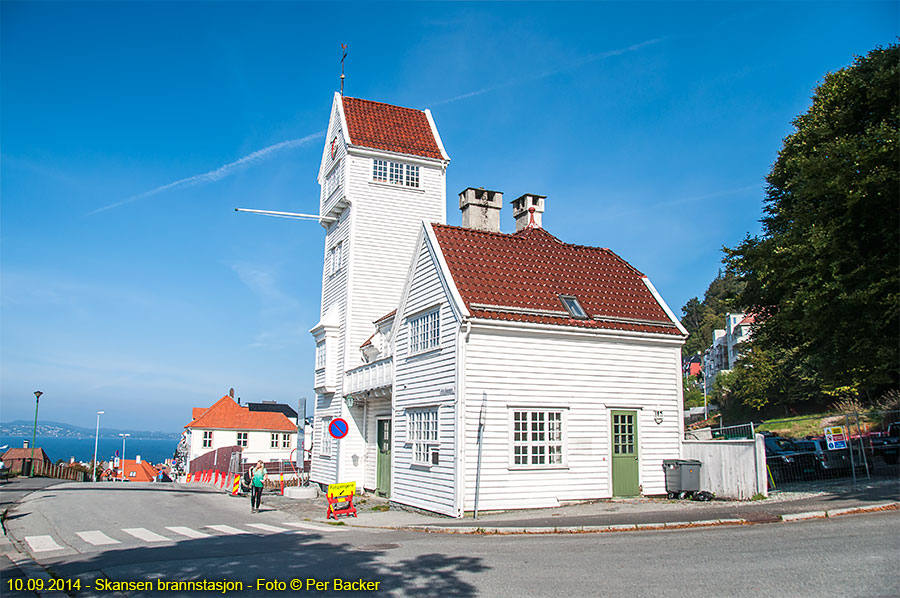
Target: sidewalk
column 618, row 514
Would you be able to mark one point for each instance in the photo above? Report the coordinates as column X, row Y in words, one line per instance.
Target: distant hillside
column 23, row 428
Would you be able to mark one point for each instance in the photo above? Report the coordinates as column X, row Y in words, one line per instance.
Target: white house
column 516, row 370
column 726, row 347
column 262, row 434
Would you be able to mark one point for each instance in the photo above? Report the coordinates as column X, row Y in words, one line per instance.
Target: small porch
column 368, row 388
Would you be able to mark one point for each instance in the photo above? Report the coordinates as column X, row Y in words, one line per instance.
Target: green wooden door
column 383, row 474
column 624, row 453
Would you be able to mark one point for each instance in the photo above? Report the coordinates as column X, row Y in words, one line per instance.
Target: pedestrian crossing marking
column 226, row 529
column 42, row 543
column 266, row 527
column 144, row 534
column 186, row 531
column 314, row 527
column 96, row 537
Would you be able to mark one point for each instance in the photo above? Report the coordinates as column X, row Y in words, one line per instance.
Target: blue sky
column 650, row 127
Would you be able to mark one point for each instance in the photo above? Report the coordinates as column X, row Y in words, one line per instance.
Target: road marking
column 144, row 534
column 186, row 531
column 226, row 529
column 97, row 538
column 42, row 543
column 314, row 527
column 266, row 527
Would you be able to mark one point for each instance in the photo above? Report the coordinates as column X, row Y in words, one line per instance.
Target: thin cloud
column 572, row 65
column 220, row 172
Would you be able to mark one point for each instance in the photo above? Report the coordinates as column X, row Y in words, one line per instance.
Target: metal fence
column 835, row 447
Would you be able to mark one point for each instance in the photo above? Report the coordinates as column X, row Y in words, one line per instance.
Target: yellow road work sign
column 346, row 489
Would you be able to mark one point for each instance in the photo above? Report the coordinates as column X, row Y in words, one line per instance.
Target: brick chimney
column 522, row 210
column 481, row 209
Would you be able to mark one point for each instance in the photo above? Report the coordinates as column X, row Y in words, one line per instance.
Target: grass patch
column 814, row 424
column 335, row 523
column 381, row 508
column 758, row 496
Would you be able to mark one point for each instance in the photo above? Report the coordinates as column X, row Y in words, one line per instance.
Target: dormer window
column 573, row 307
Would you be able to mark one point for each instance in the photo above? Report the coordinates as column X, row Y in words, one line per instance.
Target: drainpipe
column 481, row 418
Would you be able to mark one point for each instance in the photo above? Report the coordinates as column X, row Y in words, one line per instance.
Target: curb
column 593, row 529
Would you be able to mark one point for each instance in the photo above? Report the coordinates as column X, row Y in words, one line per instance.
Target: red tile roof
column 519, row 277
column 197, row 412
column 143, row 471
column 749, row 319
column 390, row 128
column 225, row 414
column 24, row 453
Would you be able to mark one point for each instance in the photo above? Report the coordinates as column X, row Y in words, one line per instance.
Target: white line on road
column 144, row 534
column 226, row 529
column 314, row 527
column 42, row 543
column 96, row 537
column 186, row 531
column 266, row 527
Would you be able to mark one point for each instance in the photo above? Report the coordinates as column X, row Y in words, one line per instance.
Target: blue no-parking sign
column 338, row 428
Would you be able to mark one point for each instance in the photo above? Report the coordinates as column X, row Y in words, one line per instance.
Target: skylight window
column 573, row 307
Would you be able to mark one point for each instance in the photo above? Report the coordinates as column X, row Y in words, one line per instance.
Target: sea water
column 153, row 450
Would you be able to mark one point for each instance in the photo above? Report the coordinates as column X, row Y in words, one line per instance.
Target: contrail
column 580, row 62
column 220, row 172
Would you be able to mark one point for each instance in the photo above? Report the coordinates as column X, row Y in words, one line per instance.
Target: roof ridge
column 382, row 103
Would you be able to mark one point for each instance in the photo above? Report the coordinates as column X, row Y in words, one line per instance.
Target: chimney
column 24, row 444
column 527, row 210
column 138, row 460
column 481, row 209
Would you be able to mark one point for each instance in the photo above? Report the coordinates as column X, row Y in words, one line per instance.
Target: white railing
column 370, row 376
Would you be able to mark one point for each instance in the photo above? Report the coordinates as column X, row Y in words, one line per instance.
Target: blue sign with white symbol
column 338, row 428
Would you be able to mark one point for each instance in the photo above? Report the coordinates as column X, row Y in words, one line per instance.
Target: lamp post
column 124, row 436
column 37, row 400
column 96, row 440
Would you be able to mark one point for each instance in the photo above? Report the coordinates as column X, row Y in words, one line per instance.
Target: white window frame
column 335, row 258
column 207, row 439
column 422, row 433
column 398, row 174
column 285, row 440
column 424, row 331
column 273, row 440
column 537, row 438
column 245, row 439
column 573, row 306
column 333, row 180
column 320, row 354
column 326, row 442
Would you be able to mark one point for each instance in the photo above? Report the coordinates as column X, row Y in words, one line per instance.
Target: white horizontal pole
column 290, row 215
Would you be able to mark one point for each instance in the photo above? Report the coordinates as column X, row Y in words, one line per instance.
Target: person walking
column 258, row 479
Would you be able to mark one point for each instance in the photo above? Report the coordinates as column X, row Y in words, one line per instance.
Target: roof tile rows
column 529, row 270
column 390, row 128
column 225, row 414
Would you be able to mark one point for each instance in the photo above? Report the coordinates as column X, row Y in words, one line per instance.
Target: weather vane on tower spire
column 344, row 50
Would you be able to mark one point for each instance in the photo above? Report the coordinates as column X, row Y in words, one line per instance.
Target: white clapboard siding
column 425, row 380
column 377, row 409
column 585, row 376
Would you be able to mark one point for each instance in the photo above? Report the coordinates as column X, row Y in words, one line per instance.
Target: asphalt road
column 150, row 527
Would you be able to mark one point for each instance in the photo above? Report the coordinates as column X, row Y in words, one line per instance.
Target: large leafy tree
column 824, row 275
column 702, row 317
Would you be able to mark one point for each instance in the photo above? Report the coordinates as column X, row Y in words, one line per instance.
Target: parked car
column 830, row 461
column 786, row 462
column 888, row 445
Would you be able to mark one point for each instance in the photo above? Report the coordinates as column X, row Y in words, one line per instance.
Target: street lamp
column 37, row 400
column 124, row 436
column 96, row 440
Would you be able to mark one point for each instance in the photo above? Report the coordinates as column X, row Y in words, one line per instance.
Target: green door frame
column 625, row 457
column 383, row 457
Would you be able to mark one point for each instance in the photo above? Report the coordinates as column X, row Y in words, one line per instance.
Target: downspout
column 481, row 418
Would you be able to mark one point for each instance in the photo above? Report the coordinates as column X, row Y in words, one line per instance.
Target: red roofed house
column 534, row 370
column 136, row 470
column 17, row 458
column 265, row 435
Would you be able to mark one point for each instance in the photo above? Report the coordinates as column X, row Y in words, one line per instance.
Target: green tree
column 824, row 276
column 702, row 317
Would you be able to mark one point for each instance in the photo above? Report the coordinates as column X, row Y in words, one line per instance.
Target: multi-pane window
column 623, row 434
column 395, row 173
column 273, row 443
column 242, row 438
column 285, row 441
column 320, row 355
column 424, row 332
column 422, row 433
column 537, row 438
column 380, row 171
column 325, row 438
column 335, row 256
column 207, row 438
column 332, row 181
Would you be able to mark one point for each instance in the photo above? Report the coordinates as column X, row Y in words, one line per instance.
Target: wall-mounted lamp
column 658, row 416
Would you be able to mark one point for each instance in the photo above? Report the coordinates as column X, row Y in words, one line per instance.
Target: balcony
column 375, row 377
